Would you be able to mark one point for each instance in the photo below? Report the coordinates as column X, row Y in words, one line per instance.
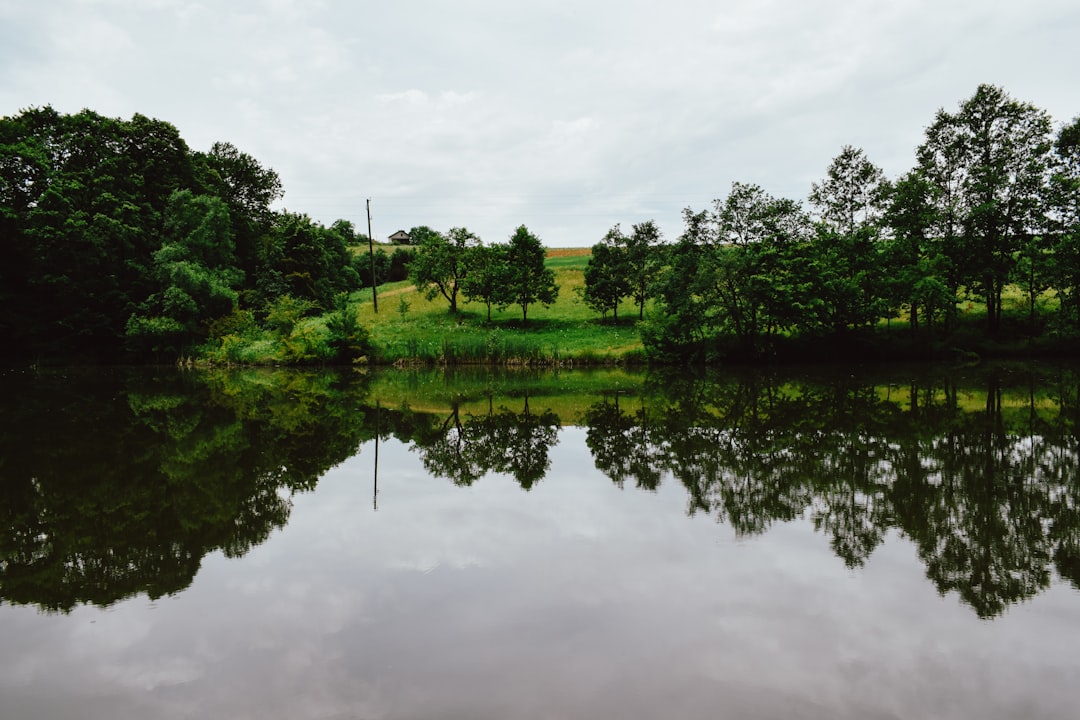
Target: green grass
column 567, row 332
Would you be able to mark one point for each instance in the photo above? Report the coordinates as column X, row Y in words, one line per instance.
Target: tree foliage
column 607, row 280
column 120, row 239
column 487, row 277
column 526, row 281
column 442, row 262
column 623, row 266
column 989, row 160
column 991, row 202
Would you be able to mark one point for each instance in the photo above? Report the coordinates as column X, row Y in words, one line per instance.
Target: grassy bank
column 411, row 329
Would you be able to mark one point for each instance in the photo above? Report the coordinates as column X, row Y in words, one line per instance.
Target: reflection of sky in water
column 575, row 599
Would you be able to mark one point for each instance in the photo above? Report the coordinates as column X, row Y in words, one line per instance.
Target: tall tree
column 749, row 268
column 989, row 161
column 915, row 276
column 196, row 274
column 847, row 267
column 642, row 261
column 82, row 197
column 685, row 324
column 1064, row 220
column 249, row 190
column 527, row 280
column 606, row 277
column 852, row 193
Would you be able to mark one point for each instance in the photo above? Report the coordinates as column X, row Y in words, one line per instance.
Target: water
column 811, row 544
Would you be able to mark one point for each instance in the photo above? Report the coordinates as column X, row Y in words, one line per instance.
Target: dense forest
column 121, row 243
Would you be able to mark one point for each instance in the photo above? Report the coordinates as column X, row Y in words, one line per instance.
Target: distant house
column 400, row 238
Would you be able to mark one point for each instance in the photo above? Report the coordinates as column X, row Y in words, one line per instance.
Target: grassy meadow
column 411, row 328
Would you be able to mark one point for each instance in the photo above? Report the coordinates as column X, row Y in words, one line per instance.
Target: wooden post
column 371, row 253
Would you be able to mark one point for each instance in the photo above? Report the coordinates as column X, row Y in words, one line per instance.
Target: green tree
column 248, row 189
column 361, row 265
column 442, row 262
column 846, row 267
column 607, row 281
column 399, row 263
column 915, row 277
column 196, row 274
column 642, row 261
column 852, row 194
column 748, row 269
column 989, row 162
column 82, row 198
column 527, row 281
column 306, row 260
column 487, row 275
column 684, row 327
column 1063, row 228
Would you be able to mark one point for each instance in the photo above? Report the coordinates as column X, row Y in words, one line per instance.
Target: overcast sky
column 567, row 117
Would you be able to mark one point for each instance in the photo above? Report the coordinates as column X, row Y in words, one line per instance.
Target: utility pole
column 371, row 253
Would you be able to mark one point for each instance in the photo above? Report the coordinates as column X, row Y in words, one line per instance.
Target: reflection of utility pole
column 375, row 499
column 371, row 252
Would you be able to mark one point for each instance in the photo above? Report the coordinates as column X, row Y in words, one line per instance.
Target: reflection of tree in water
column 621, row 444
column 989, row 495
column 108, row 499
column 464, row 449
column 975, row 507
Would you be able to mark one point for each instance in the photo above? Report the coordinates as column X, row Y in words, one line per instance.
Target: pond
column 796, row 542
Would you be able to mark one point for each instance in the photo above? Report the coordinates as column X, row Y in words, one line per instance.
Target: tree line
column 119, row 241
column 993, row 202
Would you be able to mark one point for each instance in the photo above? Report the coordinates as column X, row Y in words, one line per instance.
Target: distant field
column 553, row 253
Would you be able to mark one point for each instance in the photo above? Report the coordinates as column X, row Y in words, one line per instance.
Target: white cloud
column 480, row 113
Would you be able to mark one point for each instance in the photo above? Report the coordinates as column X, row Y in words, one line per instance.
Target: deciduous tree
column 527, row 280
column 442, row 263
column 607, row 279
column 989, row 162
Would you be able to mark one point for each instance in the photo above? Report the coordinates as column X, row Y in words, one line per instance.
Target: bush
column 309, row 342
column 348, row 340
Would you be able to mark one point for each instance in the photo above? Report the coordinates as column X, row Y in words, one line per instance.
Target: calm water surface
column 904, row 544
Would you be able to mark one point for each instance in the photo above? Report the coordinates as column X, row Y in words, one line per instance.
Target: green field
column 408, row 327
